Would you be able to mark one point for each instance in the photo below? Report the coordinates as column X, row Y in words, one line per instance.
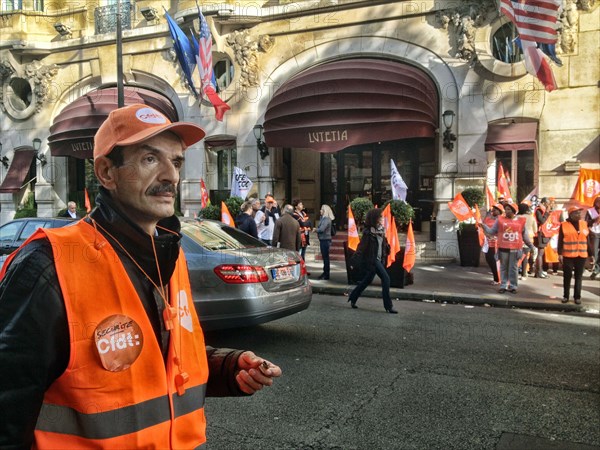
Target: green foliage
column 233, row 204
column 473, row 196
column 210, row 212
column 25, row 212
column 360, row 206
column 401, row 210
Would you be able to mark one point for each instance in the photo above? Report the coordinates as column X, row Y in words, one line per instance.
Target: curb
column 446, row 297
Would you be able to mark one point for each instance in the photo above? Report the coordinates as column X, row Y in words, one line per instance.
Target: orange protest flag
column 460, row 208
column 391, row 234
column 353, row 238
column 226, row 216
column 490, row 200
column 480, row 234
column 502, row 185
column 552, row 224
column 88, row 205
column 587, row 187
column 410, row 254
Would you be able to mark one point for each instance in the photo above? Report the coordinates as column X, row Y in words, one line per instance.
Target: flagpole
column 120, row 93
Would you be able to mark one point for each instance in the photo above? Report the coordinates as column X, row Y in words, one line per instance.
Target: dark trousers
column 490, row 258
column 303, row 253
column 325, row 245
column 570, row 265
column 379, row 270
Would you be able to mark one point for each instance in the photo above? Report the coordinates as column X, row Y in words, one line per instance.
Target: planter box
column 468, row 245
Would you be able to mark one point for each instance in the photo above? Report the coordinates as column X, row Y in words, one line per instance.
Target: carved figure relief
column 245, row 49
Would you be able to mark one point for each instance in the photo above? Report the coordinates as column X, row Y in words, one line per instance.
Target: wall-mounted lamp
column 449, row 137
column 62, row 29
column 260, row 144
column 37, row 144
column 4, row 160
column 149, row 13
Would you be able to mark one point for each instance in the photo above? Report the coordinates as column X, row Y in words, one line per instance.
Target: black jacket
column 34, row 333
column 368, row 247
column 244, row 222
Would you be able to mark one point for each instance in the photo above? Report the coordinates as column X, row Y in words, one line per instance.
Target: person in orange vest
column 511, row 234
column 573, row 251
column 101, row 343
column 490, row 256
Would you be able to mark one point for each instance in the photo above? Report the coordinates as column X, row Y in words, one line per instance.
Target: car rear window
column 214, row 236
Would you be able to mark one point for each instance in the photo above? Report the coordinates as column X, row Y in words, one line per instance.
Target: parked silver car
column 239, row 281
column 17, row 231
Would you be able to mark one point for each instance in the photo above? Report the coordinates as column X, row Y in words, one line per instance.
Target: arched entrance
column 359, row 113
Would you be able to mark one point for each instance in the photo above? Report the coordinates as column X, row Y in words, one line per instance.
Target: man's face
column 72, row 208
column 256, row 205
column 269, row 204
column 146, row 184
column 575, row 215
column 509, row 213
column 300, row 206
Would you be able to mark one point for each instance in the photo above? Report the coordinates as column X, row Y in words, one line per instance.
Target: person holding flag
column 372, row 251
column 542, row 214
column 511, row 234
column 491, row 256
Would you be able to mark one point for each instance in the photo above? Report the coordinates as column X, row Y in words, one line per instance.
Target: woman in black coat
column 370, row 256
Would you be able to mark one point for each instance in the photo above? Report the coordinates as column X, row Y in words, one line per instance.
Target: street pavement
column 452, row 283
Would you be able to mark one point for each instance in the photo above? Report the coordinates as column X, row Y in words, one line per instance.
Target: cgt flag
column 240, row 183
column 587, row 187
column 460, row 208
column 480, row 234
column 353, row 239
column 490, row 200
column 399, row 187
column 410, row 254
column 226, row 216
column 391, row 234
column 204, row 198
column 502, row 182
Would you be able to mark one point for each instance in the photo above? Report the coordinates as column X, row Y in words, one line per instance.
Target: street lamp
column 260, row 144
column 4, row 160
column 449, row 137
column 37, row 144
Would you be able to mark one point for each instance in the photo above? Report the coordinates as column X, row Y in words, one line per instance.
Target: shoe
column 564, row 300
column 353, row 304
column 542, row 275
column 520, row 277
column 593, row 276
column 578, row 301
column 495, row 283
column 392, row 311
column 323, row 277
column 512, row 290
column 502, row 290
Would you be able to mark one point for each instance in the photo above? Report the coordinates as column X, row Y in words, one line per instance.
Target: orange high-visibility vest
column 575, row 242
column 89, row 406
column 510, row 233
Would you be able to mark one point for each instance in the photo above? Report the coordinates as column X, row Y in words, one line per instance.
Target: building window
column 505, row 44
column 11, row 5
column 519, row 168
column 226, row 161
column 38, row 5
column 223, row 70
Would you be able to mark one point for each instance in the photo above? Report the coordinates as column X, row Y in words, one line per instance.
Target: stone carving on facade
column 586, row 5
column 568, row 23
column 245, row 49
column 40, row 77
column 6, row 69
column 462, row 22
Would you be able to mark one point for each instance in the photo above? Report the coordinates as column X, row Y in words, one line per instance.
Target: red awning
column 511, row 136
column 336, row 105
column 18, row 170
column 73, row 130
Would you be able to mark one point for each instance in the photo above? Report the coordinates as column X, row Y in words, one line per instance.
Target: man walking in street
column 287, row 230
column 573, row 246
column 101, row 343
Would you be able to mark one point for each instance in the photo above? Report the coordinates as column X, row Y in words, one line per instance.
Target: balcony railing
column 106, row 18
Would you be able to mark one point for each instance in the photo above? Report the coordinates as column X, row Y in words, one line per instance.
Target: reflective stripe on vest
column 575, row 243
column 121, row 421
column 137, row 406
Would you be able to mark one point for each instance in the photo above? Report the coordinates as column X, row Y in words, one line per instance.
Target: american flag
column 535, row 21
column 205, row 68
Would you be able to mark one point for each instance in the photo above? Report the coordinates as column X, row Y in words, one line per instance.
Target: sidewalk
column 452, row 283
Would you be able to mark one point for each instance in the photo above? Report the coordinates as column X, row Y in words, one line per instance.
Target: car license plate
column 283, row 273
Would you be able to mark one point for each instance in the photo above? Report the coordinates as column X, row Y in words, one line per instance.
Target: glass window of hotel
column 11, row 5
column 506, row 44
column 519, row 168
column 226, row 161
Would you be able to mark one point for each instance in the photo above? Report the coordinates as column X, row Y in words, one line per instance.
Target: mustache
column 162, row 188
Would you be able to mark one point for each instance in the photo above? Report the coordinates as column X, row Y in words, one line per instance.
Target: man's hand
column 255, row 373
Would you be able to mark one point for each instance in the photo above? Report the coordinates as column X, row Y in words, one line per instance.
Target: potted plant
column 467, row 234
column 210, row 212
column 234, row 204
column 360, row 206
column 403, row 213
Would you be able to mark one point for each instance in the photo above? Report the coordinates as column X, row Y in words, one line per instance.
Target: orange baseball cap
column 269, row 198
column 136, row 123
column 499, row 207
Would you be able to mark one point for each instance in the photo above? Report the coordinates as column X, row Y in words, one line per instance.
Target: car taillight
column 303, row 270
column 240, row 274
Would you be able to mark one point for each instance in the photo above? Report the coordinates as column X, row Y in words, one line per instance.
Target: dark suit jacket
column 287, row 233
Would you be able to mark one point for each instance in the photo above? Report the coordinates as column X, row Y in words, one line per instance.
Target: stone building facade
column 339, row 86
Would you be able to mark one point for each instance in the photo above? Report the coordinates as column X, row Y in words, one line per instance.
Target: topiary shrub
column 210, row 212
column 402, row 211
column 233, row 204
column 360, row 206
column 25, row 212
column 474, row 196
